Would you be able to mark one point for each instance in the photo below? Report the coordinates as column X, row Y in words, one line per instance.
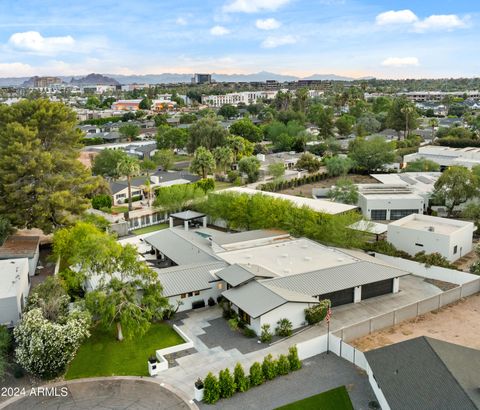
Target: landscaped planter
column 199, row 390
column 153, row 366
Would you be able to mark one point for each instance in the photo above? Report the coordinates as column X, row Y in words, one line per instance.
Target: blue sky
column 388, row 39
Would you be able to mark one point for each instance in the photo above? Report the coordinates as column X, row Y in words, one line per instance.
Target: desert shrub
column 226, row 384
column 284, row 328
column 266, row 335
column 283, row 365
column 293, row 359
column 211, row 392
column 269, row 367
column 241, row 381
column 256, row 374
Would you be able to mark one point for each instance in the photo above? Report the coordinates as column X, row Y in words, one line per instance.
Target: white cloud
column 267, row 24
column 219, row 31
column 253, row 6
column 441, row 22
column 273, row 42
column 34, row 42
column 181, row 21
column 16, row 70
column 396, row 17
column 400, row 61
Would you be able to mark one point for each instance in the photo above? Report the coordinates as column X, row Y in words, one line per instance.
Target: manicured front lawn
column 119, row 209
column 222, row 185
column 335, row 399
column 149, row 229
column 103, row 355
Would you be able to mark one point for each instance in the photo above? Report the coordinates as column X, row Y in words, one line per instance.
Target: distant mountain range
column 166, row 78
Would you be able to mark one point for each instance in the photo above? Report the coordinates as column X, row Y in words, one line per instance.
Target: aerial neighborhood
column 239, row 241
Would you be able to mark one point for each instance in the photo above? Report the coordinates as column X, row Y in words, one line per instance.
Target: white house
column 19, row 247
column 446, row 156
column 14, row 288
column 416, row 233
column 384, row 202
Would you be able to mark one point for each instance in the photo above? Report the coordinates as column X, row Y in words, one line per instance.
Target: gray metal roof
column 187, row 215
column 237, row 274
column 427, row 374
column 256, row 299
column 178, row 249
column 248, row 236
column 187, row 278
column 336, row 278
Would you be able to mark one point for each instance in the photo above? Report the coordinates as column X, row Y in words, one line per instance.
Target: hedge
column 275, row 186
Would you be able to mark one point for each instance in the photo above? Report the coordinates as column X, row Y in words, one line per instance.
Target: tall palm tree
column 408, row 110
column 129, row 167
column 433, row 122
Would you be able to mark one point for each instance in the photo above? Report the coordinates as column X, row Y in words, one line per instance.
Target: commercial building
column 14, row 289
column 126, row 105
column 416, row 233
column 446, row 156
column 384, row 202
column 244, row 97
column 201, row 78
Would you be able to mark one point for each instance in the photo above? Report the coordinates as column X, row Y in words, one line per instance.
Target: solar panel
column 425, row 180
column 408, row 180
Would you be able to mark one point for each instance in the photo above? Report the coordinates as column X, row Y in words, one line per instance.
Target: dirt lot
column 306, row 190
column 458, row 323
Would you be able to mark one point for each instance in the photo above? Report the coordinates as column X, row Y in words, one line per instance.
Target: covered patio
column 189, row 219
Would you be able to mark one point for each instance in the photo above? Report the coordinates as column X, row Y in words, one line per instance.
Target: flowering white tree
column 44, row 348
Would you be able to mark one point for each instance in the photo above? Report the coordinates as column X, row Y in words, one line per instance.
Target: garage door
column 377, row 288
column 341, row 297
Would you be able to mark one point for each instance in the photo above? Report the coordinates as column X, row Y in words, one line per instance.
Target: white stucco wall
column 214, row 292
column 11, row 306
column 292, row 311
column 367, row 204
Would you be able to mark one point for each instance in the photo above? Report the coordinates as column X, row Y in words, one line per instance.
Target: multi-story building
column 43, row 82
column 201, row 78
column 244, row 97
column 126, row 105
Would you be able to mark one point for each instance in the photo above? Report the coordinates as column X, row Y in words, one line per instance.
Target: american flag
column 329, row 314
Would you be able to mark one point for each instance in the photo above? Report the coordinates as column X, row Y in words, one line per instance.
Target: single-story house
column 416, row 233
column 427, row 374
column 19, row 247
column 119, row 190
column 14, row 289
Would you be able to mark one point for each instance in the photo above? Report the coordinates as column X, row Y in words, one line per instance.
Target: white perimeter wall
column 214, row 292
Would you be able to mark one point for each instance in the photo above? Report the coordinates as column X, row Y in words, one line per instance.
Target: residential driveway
column 318, row 374
column 104, row 394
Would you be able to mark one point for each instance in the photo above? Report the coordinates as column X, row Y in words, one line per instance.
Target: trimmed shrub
column 283, row 365
column 249, row 332
column 135, row 198
column 269, row 367
column 102, row 201
column 207, row 184
column 211, row 302
column 284, row 328
column 232, row 176
column 242, row 382
column 256, row 374
column 317, row 313
column 226, row 384
column 293, row 359
column 233, row 323
column 228, row 312
column 266, row 335
column 211, row 389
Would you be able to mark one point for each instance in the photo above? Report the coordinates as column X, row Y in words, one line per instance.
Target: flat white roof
column 319, row 205
column 420, row 182
column 369, row 226
column 290, row 257
column 10, row 276
column 432, row 224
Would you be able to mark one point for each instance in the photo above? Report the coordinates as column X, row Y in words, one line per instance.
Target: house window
column 455, row 249
column 190, row 294
column 219, row 285
column 196, row 293
column 378, row 214
column 183, row 295
column 401, row 213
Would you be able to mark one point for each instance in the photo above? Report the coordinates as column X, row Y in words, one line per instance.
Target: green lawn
column 222, row 185
column 119, row 209
column 149, row 229
column 335, row 399
column 103, row 355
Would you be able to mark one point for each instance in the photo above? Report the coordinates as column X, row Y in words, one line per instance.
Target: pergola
column 187, row 217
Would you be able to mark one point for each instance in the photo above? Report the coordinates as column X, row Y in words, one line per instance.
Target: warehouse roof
column 425, row 373
column 188, row 278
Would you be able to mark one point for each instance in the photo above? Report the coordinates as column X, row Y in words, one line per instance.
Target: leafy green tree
column 251, row 167
column 161, row 120
column 456, row 186
column 344, row 191
column 402, row 116
column 422, row 165
column 101, row 201
column 171, row 138
column 237, row 145
column 367, row 124
column 247, row 129
column 276, row 170
column 5, row 345
column 345, row 124
column 177, row 197
column 106, row 162
column 308, row 162
column 211, row 392
column 203, row 162
column 223, row 158
column 256, row 374
column 42, row 183
column 226, row 383
column 129, row 131
column 187, row 118
column 5, row 229
column 371, row 154
column 206, row 132
column 92, row 102
column 145, row 104
column 241, row 381
column 337, row 166
column 381, row 104
column 228, row 111
column 323, row 118
column 147, row 166
column 164, row 158
column 128, row 167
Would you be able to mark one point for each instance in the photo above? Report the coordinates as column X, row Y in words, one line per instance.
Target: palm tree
column 433, row 122
column 128, row 167
column 223, row 158
column 408, row 110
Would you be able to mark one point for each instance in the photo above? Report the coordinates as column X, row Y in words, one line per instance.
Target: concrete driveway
column 102, row 393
